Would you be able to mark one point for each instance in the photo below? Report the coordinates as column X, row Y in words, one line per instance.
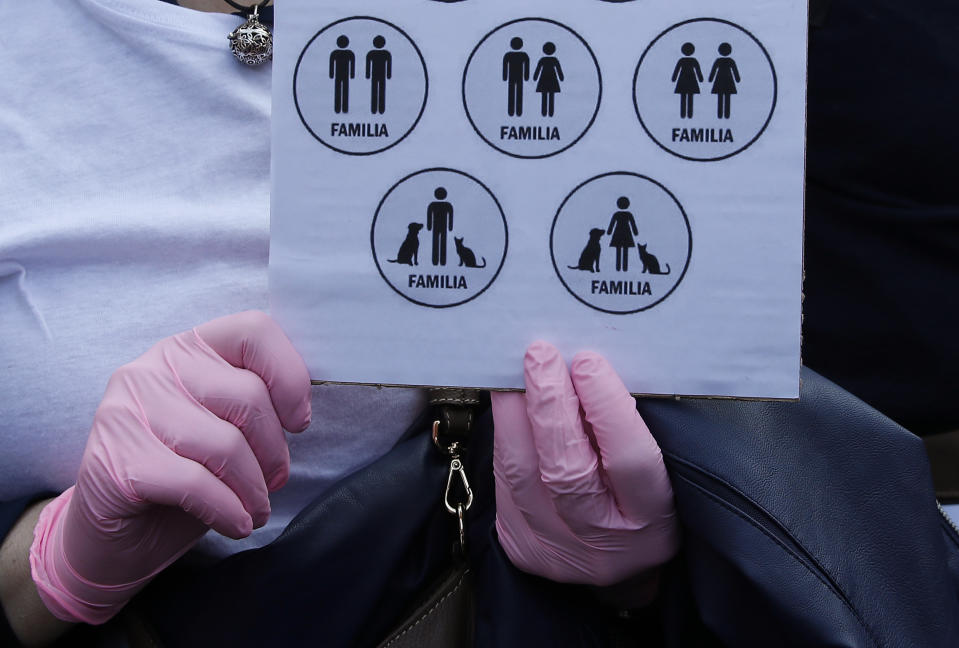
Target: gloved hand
column 579, row 501
column 187, row 437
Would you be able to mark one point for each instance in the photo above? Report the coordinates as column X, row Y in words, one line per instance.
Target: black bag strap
column 454, row 411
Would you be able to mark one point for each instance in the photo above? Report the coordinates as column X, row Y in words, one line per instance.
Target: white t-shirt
column 134, row 204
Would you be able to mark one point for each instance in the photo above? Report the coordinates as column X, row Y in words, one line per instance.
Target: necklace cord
column 246, row 9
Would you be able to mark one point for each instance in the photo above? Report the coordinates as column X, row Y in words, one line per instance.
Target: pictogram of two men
column 379, row 68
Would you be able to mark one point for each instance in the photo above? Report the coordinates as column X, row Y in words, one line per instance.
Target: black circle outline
column 689, row 232
column 599, row 99
column 426, row 89
column 772, row 110
column 505, row 233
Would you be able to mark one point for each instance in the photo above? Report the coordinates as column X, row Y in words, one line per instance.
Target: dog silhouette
column 589, row 257
column 410, row 247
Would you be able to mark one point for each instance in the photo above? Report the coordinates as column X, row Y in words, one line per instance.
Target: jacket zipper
column 950, row 524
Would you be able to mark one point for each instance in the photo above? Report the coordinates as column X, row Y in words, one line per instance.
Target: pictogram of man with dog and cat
column 439, row 221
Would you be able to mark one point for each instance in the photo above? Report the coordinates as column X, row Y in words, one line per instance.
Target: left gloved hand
column 582, row 495
column 188, row 436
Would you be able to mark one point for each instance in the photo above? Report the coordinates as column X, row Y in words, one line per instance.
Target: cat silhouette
column 410, row 248
column 650, row 262
column 589, row 257
column 467, row 256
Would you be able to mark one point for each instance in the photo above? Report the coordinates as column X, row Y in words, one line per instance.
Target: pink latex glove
column 579, row 501
column 187, row 437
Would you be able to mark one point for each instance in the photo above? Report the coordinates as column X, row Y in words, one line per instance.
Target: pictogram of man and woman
column 724, row 76
column 548, row 74
column 379, row 68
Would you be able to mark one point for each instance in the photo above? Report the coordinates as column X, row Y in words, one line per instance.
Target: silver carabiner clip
column 456, row 466
column 461, row 514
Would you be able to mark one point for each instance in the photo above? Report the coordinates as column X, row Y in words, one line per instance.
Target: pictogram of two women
column 724, row 76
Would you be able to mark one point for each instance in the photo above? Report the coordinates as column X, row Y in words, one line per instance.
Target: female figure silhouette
column 725, row 76
column 622, row 227
column 548, row 73
column 687, row 76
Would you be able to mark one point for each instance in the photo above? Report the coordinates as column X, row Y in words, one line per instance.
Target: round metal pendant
column 252, row 42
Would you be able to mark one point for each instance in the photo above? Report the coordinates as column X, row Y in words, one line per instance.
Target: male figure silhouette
column 342, row 69
column 439, row 220
column 515, row 73
column 379, row 68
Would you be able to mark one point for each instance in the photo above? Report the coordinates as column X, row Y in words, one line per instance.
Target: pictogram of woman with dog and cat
column 622, row 230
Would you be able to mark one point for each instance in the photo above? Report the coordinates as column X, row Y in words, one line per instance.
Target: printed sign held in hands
column 452, row 181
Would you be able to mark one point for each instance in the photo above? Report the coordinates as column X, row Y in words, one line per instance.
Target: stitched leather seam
column 727, row 484
column 789, row 551
column 427, row 613
column 833, row 586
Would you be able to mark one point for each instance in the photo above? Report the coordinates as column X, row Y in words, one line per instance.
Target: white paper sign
column 452, row 181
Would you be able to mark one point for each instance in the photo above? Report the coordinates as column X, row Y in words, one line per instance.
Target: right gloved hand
column 188, row 436
column 582, row 495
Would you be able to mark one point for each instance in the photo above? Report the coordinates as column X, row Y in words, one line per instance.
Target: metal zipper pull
column 457, row 500
column 460, row 508
column 456, row 467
